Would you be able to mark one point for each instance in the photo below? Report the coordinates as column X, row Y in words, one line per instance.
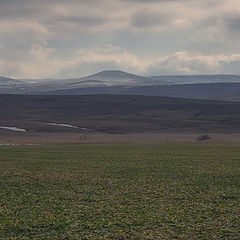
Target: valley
column 117, row 118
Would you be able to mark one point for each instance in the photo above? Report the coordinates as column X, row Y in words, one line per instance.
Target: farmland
column 165, row 191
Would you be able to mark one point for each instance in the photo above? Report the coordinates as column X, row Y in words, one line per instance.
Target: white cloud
column 193, row 63
column 42, row 62
column 65, row 38
column 24, row 32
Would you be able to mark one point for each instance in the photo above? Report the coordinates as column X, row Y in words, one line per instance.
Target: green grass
column 120, row 192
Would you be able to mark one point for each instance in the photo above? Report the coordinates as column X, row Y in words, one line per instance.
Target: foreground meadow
column 120, row 192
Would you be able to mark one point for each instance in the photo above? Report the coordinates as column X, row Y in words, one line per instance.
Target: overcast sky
column 73, row 38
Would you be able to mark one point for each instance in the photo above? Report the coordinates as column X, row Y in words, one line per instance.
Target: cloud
column 150, row 19
column 24, row 29
column 42, row 62
column 66, row 38
column 232, row 22
column 194, row 63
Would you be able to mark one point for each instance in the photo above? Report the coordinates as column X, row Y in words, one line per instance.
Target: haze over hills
column 4, row 81
column 220, row 87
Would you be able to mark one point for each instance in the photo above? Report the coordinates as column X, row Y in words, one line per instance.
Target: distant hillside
column 120, row 78
column 101, row 79
column 118, row 113
column 195, row 79
column 218, row 91
column 4, row 81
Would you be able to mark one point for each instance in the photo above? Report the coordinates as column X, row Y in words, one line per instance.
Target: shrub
column 204, row 136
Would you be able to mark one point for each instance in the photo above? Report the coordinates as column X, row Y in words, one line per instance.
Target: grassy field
column 120, row 192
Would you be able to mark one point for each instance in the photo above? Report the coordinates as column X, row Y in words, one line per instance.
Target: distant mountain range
column 101, row 79
column 195, row 79
column 221, row 87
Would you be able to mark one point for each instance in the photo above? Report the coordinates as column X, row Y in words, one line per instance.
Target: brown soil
column 105, row 138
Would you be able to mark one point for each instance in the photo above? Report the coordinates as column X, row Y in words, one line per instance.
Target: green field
column 120, row 192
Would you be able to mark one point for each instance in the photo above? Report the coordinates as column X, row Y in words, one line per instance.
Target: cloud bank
column 56, row 38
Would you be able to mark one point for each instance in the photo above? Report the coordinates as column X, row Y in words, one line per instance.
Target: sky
column 75, row 38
